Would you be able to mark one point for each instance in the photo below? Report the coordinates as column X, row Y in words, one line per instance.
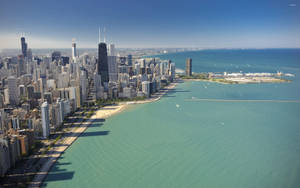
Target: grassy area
column 201, row 76
column 205, row 77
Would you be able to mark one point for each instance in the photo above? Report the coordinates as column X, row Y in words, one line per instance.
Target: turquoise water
column 181, row 142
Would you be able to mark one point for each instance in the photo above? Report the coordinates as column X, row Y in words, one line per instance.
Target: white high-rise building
column 111, row 50
column 98, row 87
column 83, row 86
column 13, row 90
column 112, row 68
column 45, row 119
column 74, row 52
column 73, row 95
column 146, row 88
column 61, row 110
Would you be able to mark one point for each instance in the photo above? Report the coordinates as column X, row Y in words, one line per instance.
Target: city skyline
column 168, row 24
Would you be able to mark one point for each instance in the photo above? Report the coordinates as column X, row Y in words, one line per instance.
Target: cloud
column 292, row 5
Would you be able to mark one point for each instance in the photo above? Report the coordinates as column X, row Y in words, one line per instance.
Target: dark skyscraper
column 129, row 60
column 24, row 46
column 102, row 62
column 188, row 67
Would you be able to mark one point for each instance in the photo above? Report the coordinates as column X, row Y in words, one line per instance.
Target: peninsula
column 238, row 78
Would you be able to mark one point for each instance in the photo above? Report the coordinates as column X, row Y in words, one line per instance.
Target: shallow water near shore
column 180, row 141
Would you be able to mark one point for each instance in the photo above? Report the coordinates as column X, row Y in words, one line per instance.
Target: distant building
column 24, row 46
column 188, row 67
column 45, row 119
column 129, row 60
column 56, row 55
column 74, row 52
column 172, row 71
column 13, row 90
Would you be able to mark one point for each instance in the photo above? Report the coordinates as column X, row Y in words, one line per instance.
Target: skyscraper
column 111, row 50
column 45, row 119
column 129, row 60
column 74, row 52
column 13, row 90
column 112, row 68
column 102, row 64
column 24, row 46
column 188, row 67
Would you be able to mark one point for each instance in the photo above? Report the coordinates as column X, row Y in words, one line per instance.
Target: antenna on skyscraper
column 104, row 35
column 99, row 35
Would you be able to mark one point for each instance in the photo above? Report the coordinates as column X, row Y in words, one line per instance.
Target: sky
column 152, row 23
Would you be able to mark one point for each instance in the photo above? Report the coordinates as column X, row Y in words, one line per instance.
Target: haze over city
column 140, row 24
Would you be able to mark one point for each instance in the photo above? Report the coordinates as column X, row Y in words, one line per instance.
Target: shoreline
column 71, row 136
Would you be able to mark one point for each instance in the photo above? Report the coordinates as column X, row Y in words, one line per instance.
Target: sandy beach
column 57, row 150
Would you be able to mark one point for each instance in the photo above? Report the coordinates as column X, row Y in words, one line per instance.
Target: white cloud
column 292, row 5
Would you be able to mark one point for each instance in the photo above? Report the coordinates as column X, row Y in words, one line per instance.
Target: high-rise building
column 102, row 62
column 56, row 55
column 188, row 67
column 45, row 119
column 129, row 60
column 112, row 68
column 172, row 71
column 146, row 88
column 74, row 52
column 111, row 50
column 24, row 46
column 13, row 90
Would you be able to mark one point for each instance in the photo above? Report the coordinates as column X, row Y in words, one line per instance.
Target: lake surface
column 181, row 141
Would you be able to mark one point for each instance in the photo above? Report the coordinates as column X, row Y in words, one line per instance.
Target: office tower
column 102, row 62
column 112, row 68
column 83, row 86
column 22, row 90
column 21, row 65
column 65, row 60
column 172, row 71
column 98, row 87
column 45, row 119
column 13, row 90
column 73, row 95
column 102, row 68
column 29, row 55
column 188, row 67
column 129, row 60
column 24, row 46
column 146, row 88
column 48, row 97
column 30, row 91
column 61, row 110
column 111, row 50
column 74, row 53
column 56, row 55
